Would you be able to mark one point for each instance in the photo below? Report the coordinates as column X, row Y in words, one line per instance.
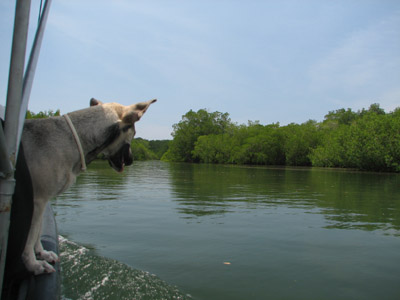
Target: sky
column 269, row 61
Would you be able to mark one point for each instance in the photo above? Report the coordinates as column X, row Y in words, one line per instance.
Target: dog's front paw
column 39, row 267
column 48, row 256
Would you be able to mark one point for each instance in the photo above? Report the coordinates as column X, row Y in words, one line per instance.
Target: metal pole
column 14, row 96
column 15, row 81
column 31, row 68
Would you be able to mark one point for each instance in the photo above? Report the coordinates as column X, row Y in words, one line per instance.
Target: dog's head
column 118, row 151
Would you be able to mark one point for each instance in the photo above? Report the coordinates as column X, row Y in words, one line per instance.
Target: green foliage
column 140, row 150
column 371, row 142
column 261, row 145
column 332, row 152
column 300, row 140
column 159, row 147
column 366, row 140
column 215, row 148
column 341, row 116
column 148, row 150
column 42, row 114
column 190, row 128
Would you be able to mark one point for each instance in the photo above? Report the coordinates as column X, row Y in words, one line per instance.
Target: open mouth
column 121, row 159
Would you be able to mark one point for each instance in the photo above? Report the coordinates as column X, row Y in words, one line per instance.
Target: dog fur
column 54, row 160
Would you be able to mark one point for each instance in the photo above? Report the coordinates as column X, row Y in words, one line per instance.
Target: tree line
column 42, row 114
column 143, row 149
column 368, row 139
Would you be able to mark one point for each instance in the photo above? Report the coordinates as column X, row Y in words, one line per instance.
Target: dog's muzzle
column 121, row 158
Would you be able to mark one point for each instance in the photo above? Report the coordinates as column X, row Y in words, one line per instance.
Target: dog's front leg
column 28, row 256
column 42, row 254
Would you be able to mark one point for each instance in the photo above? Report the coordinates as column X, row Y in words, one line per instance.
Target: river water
column 189, row 231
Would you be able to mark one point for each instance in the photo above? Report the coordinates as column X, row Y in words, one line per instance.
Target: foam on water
column 88, row 276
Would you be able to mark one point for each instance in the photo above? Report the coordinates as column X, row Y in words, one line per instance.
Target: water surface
column 237, row 232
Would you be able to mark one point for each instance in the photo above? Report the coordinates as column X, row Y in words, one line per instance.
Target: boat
column 16, row 195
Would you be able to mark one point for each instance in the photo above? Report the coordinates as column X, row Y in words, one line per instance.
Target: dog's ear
column 136, row 111
column 94, row 102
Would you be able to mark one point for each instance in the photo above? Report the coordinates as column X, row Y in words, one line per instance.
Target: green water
column 178, row 231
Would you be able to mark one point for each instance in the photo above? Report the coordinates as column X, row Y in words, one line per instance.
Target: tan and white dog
column 58, row 148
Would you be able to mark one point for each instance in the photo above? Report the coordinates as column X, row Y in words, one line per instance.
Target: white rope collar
column 77, row 140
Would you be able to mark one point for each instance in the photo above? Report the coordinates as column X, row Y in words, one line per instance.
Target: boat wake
column 88, row 276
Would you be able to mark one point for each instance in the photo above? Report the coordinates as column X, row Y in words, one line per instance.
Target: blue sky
column 272, row 61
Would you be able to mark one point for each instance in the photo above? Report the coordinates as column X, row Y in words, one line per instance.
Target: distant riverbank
column 365, row 140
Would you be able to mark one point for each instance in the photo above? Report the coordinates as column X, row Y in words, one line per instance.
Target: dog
column 57, row 150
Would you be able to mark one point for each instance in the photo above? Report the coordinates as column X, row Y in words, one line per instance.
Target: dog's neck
column 96, row 129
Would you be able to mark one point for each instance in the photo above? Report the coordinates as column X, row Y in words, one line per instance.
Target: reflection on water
column 300, row 233
column 348, row 200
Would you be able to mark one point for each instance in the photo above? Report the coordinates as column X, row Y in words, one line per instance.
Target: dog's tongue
column 122, row 165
